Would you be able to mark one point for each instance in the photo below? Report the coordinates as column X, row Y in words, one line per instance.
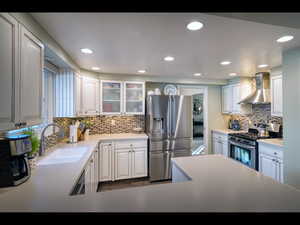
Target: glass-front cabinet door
column 134, row 98
column 111, row 97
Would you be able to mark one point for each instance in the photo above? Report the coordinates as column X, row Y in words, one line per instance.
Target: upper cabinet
column 111, row 97
column 122, row 98
column 32, row 64
column 21, row 67
column 134, row 98
column 90, row 96
column 276, row 95
column 232, row 94
column 9, row 67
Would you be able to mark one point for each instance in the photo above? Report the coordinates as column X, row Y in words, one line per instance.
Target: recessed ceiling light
column 95, row 68
column 86, row 51
column 262, row 66
column 232, row 74
column 169, row 58
column 197, row 74
column 224, row 63
column 285, row 38
column 142, row 71
column 195, row 25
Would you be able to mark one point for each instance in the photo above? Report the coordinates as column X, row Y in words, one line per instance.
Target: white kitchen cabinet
column 106, row 162
column 123, row 160
column 123, row 164
column 236, row 108
column 90, row 96
column 78, row 95
column 226, row 99
column 139, row 162
column 220, row 143
column 122, row 98
column 9, row 69
column 276, row 95
column 271, row 161
column 134, row 98
column 111, row 97
column 32, row 64
column 21, row 67
column 234, row 93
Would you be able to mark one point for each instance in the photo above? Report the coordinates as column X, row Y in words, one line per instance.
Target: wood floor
column 120, row 184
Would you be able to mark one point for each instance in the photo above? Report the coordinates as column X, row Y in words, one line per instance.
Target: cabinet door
column 9, row 71
column 217, row 146
column 268, row 166
column 111, row 97
column 236, row 98
column 276, row 95
column 105, row 167
column 32, row 59
column 96, row 168
column 122, row 164
column 139, row 163
column 78, row 95
column 225, row 148
column 90, row 96
column 134, row 98
column 279, row 171
column 226, row 99
column 92, row 169
column 87, row 178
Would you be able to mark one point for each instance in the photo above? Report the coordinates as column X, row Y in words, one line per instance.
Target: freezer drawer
column 160, row 166
column 168, row 145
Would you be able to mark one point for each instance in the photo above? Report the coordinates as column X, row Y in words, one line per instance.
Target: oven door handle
column 242, row 145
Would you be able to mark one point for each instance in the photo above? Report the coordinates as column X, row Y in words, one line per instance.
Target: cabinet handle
column 92, row 161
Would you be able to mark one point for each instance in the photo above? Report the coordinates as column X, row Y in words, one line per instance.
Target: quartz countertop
column 228, row 131
column 218, row 184
column 272, row 141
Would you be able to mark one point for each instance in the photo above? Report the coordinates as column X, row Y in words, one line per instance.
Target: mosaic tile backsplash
column 99, row 125
column 260, row 114
column 103, row 124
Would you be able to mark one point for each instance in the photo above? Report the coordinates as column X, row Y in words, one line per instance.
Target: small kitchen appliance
column 14, row 166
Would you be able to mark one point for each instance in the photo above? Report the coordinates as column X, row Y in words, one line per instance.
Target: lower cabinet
column 123, row 160
column 220, row 143
column 91, row 173
column 271, row 161
column 123, row 164
column 105, row 165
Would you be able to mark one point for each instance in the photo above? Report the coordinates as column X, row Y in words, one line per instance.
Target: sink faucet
column 42, row 142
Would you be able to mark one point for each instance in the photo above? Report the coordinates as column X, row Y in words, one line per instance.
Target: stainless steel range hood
column 262, row 93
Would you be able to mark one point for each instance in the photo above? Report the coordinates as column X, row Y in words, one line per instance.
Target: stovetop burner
column 252, row 134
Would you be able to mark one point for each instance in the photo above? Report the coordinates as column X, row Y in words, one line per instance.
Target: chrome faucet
column 42, row 142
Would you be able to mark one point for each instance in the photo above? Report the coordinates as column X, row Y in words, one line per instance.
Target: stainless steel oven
column 244, row 151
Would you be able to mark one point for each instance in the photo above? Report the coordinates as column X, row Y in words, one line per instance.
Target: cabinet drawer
column 131, row 144
column 220, row 137
column 271, row 150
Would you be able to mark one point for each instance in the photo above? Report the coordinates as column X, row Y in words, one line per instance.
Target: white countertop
column 272, row 141
column 218, row 184
column 228, row 131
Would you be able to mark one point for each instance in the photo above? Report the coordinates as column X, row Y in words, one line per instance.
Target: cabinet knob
column 275, row 153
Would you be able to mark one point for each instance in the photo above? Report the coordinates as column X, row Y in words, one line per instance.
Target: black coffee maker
column 14, row 166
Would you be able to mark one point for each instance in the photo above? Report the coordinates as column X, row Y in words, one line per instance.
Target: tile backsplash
column 260, row 114
column 103, row 124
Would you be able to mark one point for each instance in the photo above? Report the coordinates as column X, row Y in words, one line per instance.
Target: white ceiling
column 126, row 42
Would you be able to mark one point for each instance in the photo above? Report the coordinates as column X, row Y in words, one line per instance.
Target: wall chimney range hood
column 262, row 93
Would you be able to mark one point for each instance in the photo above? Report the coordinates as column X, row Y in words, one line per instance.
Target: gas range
column 251, row 135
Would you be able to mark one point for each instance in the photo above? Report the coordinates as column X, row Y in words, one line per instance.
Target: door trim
column 199, row 90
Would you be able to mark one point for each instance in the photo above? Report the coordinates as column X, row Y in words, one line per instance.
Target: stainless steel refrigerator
column 169, row 125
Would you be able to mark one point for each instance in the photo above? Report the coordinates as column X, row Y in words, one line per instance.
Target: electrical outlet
column 113, row 122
